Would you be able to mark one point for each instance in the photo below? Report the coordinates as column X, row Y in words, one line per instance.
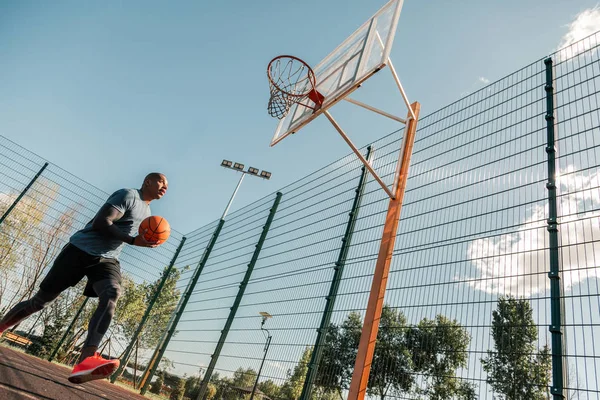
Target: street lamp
column 240, row 168
column 265, row 317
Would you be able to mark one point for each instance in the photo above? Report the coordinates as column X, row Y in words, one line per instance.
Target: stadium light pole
column 265, row 317
column 215, row 356
column 240, row 168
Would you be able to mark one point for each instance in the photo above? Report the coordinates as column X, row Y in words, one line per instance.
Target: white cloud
column 586, row 23
column 475, row 85
column 518, row 263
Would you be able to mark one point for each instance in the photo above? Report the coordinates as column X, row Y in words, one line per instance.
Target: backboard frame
column 363, row 40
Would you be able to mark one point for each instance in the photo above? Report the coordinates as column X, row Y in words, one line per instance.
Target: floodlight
column 265, row 314
column 240, row 168
column 265, row 174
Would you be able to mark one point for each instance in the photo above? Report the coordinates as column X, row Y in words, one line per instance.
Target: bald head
column 154, row 175
column 154, row 186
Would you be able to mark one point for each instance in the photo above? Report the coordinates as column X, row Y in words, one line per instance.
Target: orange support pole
column 368, row 337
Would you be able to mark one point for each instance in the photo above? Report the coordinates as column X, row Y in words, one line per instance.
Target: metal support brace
column 375, row 110
column 360, row 156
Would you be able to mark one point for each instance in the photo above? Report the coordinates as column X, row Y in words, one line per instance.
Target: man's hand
column 141, row 241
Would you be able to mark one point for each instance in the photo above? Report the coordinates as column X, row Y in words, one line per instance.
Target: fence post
column 18, row 199
column 157, row 292
column 238, row 299
column 317, row 353
column 64, row 336
column 556, row 306
column 162, row 345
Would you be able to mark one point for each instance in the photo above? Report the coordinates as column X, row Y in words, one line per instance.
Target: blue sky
column 112, row 90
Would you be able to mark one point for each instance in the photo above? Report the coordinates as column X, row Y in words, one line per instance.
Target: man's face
column 157, row 187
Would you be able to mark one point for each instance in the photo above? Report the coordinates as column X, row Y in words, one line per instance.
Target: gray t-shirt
column 127, row 201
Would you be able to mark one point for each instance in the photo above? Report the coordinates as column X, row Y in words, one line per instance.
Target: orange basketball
column 158, row 229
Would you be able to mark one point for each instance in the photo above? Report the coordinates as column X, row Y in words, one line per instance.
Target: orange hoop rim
column 310, row 73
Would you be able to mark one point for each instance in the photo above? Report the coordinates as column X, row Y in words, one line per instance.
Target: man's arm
column 103, row 222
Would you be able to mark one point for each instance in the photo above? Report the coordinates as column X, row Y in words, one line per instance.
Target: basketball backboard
column 360, row 56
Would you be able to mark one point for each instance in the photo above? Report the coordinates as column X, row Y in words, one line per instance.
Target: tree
column 338, row 356
column 244, row 378
column 434, row 349
column 192, row 386
column 216, row 387
column 331, row 369
column 222, row 386
column 178, row 389
column 164, row 366
column 52, row 333
column 131, row 307
column 19, row 232
column 225, row 388
column 515, row 371
column 292, row 388
column 439, row 348
column 157, row 385
column 163, row 308
column 46, row 245
column 54, row 320
column 134, row 301
column 211, row 391
column 391, row 368
column 269, row 388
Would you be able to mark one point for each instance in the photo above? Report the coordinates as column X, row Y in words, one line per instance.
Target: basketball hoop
column 291, row 80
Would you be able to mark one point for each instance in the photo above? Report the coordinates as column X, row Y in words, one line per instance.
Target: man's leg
column 108, row 291
column 62, row 275
column 91, row 367
column 25, row 308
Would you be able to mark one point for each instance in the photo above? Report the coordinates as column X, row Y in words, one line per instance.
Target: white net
column 290, row 81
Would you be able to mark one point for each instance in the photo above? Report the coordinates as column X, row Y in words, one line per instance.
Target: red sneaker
column 93, row 367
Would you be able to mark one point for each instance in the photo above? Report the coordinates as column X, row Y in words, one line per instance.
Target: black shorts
column 72, row 264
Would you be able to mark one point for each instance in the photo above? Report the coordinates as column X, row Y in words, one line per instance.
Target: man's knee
column 110, row 293
column 40, row 300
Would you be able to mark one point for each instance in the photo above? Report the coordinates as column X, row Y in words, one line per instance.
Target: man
column 94, row 252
